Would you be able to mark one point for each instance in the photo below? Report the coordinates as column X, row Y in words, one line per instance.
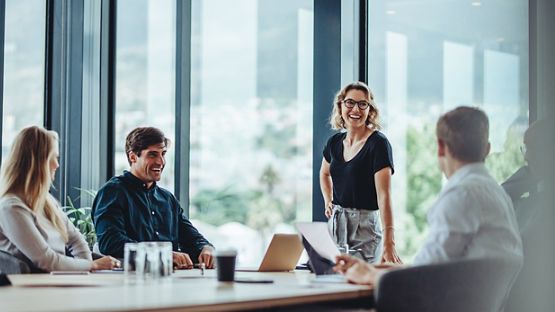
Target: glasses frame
column 350, row 103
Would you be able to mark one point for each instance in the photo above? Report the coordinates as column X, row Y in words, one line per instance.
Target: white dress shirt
column 472, row 218
column 28, row 235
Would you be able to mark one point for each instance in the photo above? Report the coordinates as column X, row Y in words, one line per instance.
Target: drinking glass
column 129, row 258
column 166, row 259
column 148, row 261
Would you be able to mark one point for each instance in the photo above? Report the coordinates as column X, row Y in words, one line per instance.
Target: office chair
column 4, row 280
column 466, row 285
column 10, row 264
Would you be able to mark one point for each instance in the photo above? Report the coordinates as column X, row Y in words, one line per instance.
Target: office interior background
column 244, row 89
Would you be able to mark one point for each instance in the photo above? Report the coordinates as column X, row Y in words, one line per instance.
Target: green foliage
column 220, row 206
column 274, row 139
column 81, row 218
column 503, row 164
column 270, row 178
column 283, row 138
column 423, row 184
column 258, row 208
column 265, row 211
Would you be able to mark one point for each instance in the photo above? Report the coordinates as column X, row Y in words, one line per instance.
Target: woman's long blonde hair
column 26, row 173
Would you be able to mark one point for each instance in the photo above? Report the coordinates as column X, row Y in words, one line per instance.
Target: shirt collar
column 462, row 172
column 136, row 181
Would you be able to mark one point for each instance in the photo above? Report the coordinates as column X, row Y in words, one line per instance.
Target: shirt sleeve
column 382, row 156
column 452, row 224
column 190, row 238
column 109, row 221
column 327, row 150
column 18, row 225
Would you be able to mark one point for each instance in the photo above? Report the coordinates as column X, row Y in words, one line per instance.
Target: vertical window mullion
column 63, row 91
column 182, row 101
column 327, row 79
column 2, row 34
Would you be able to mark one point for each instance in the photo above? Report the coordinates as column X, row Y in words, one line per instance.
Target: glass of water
column 166, row 259
column 153, row 261
column 129, row 257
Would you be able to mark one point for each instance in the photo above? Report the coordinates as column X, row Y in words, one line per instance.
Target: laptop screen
column 318, row 264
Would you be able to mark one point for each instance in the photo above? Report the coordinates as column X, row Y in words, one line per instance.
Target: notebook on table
column 282, row 254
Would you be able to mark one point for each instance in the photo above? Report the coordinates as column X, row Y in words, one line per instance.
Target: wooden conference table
column 186, row 290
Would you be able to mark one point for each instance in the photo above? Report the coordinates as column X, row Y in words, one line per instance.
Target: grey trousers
column 358, row 228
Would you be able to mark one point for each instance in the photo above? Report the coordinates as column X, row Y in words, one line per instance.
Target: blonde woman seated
column 33, row 227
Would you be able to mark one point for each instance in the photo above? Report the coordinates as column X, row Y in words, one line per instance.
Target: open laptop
column 282, row 254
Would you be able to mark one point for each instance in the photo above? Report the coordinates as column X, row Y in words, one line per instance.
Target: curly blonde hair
column 337, row 122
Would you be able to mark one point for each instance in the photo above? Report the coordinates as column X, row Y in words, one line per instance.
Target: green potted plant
column 81, row 218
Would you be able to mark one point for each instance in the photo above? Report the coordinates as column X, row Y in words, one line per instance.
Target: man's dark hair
column 141, row 138
column 465, row 130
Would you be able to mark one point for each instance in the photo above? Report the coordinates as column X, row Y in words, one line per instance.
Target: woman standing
column 33, row 227
column 355, row 176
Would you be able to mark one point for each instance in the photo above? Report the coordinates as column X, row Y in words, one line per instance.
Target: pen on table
column 200, row 266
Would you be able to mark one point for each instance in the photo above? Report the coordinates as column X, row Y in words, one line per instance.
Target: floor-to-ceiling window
column 24, row 44
column 427, row 57
column 251, row 120
column 145, row 75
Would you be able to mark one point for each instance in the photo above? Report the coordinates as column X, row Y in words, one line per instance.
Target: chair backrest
column 4, row 280
column 466, row 285
column 10, row 264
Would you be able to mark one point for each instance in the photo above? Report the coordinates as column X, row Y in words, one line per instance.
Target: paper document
column 317, row 235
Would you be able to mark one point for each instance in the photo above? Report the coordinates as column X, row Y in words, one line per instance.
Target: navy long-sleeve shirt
column 124, row 210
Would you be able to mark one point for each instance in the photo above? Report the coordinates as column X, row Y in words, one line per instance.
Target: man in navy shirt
column 133, row 208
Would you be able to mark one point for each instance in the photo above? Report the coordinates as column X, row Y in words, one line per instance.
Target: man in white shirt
column 473, row 217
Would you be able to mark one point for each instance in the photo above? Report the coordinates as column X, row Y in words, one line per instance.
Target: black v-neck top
column 353, row 180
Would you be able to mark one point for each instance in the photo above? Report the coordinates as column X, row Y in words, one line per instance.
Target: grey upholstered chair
column 467, row 285
column 10, row 264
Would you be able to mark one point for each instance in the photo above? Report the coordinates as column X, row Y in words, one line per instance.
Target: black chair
column 466, row 285
column 10, row 264
column 4, row 280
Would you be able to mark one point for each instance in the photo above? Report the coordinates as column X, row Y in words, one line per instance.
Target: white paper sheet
column 316, row 233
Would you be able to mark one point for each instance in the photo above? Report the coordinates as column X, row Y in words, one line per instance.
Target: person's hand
column 182, row 260
column 344, row 262
column 206, row 256
column 389, row 254
column 355, row 270
column 105, row 263
column 361, row 273
column 328, row 209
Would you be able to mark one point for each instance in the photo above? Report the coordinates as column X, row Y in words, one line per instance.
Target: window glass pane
column 426, row 58
column 349, row 48
column 251, row 120
column 145, row 75
column 23, row 99
column 90, row 116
